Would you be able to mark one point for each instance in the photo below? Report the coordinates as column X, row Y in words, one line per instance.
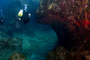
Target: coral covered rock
column 8, row 45
column 14, row 43
column 84, row 55
column 69, row 18
column 17, row 56
column 61, row 53
column 58, row 54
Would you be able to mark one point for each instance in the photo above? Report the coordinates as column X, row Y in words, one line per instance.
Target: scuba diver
column 23, row 15
column 1, row 19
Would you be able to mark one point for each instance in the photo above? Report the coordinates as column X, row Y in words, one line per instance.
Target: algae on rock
column 17, row 56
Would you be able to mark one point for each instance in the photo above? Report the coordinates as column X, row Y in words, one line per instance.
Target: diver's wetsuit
column 25, row 17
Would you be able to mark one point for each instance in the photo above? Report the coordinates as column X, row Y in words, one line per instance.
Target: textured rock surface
column 71, row 21
column 17, row 56
column 9, row 45
column 58, row 54
column 69, row 18
column 61, row 53
column 14, row 43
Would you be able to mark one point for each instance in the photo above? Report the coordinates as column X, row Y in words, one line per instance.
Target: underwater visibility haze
column 34, row 41
column 44, row 29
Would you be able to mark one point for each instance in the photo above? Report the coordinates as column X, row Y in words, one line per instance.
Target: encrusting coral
column 70, row 19
column 17, row 56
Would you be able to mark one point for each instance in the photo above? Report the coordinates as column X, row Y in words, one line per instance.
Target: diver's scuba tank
column 20, row 14
column 24, row 8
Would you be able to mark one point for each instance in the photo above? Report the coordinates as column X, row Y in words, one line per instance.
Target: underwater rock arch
column 70, row 20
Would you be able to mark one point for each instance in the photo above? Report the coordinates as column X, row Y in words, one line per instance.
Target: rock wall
column 70, row 19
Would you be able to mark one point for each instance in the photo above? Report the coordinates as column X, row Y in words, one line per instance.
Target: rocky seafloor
column 34, row 44
column 70, row 19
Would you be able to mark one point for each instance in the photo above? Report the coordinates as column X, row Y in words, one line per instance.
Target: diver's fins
column 17, row 25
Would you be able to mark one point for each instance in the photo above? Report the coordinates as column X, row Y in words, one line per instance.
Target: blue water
column 37, row 39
